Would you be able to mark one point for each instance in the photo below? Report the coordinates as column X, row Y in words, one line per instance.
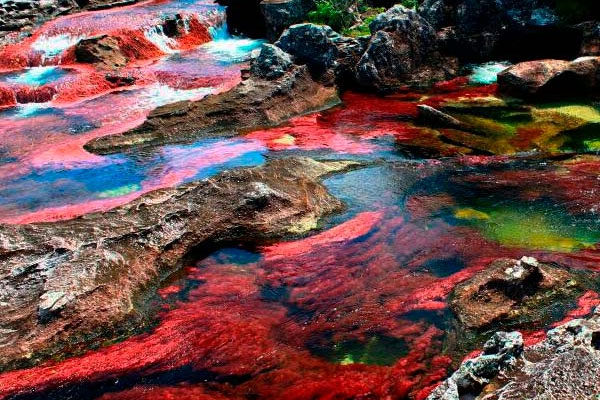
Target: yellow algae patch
column 579, row 111
column 470, row 102
column 470, row 213
column 304, row 225
column 286, row 140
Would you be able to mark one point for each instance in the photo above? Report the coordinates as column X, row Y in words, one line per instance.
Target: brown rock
column 103, row 51
column 528, row 78
column 505, row 291
column 67, row 285
column 253, row 103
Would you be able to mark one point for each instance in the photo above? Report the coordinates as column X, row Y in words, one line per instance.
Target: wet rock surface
column 565, row 365
column 19, row 17
column 271, row 63
column 69, row 284
column 509, row 290
column 254, row 103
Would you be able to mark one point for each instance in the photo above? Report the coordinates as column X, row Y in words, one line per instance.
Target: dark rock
column 551, row 78
column 402, row 51
column 508, row 290
column 271, row 63
column 119, row 80
column 244, row 17
column 254, row 103
column 499, row 353
column 280, row 14
column 102, row 51
column 477, row 30
column 435, row 118
column 68, row 285
column 565, row 365
column 327, row 53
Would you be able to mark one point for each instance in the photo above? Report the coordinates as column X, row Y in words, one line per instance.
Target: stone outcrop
column 329, row 56
column 68, row 285
column 565, row 365
column 280, row 14
column 402, row 51
column 509, row 290
column 255, row 102
column 499, row 353
column 551, row 78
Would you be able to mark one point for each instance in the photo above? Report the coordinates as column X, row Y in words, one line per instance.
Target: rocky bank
column 68, row 285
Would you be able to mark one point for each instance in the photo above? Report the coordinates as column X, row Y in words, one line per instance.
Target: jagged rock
column 550, row 78
column 69, row 284
column 565, row 365
column 402, row 51
column 102, row 51
column 507, row 290
column 253, row 103
column 280, row 14
column 499, row 353
column 271, row 63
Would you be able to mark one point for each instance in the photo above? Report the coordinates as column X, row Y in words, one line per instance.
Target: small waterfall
column 157, row 36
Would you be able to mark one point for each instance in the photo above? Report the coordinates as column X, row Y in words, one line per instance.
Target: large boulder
column 508, row 291
column 402, row 51
column 551, row 78
column 328, row 55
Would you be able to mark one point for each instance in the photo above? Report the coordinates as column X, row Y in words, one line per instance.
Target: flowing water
column 357, row 309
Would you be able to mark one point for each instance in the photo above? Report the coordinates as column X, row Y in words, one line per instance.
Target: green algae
column 532, row 227
column 120, row 191
column 377, row 350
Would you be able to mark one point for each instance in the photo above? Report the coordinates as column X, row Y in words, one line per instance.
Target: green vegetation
column 363, row 29
column 337, row 14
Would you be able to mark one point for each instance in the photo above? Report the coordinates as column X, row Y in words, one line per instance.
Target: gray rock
column 280, row 14
column 402, row 51
column 328, row 55
column 499, row 353
column 271, row 63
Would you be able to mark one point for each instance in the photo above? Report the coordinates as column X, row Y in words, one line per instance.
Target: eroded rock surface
column 67, row 285
column 255, row 102
column 564, row 366
column 551, row 78
column 507, row 290
column 402, row 51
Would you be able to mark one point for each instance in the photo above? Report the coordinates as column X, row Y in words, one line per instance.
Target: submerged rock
column 69, row 284
column 508, row 290
column 402, row 51
column 565, row 365
column 253, row 103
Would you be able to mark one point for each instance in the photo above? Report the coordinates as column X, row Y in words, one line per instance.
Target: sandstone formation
column 255, row 102
column 67, row 285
